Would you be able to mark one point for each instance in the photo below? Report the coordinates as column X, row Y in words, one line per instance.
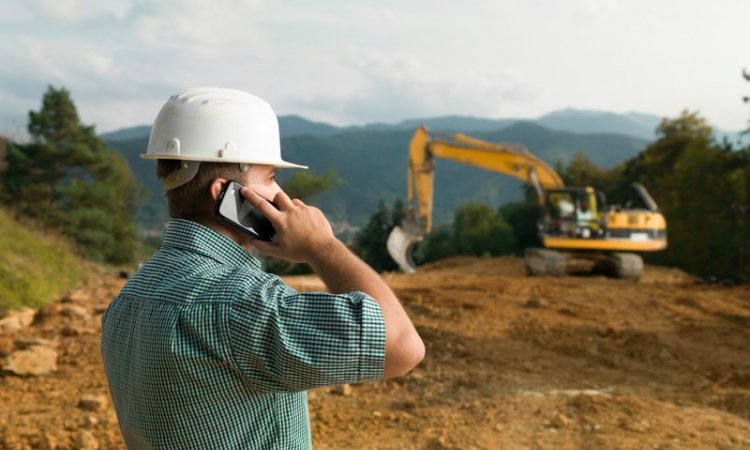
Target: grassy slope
column 35, row 267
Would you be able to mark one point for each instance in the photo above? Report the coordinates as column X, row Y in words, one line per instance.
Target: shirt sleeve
column 283, row 340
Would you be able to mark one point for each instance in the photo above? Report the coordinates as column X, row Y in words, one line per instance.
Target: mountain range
column 372, row 159
column 571, row 120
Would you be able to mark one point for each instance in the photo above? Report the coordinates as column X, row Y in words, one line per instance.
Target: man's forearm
column 342, row 271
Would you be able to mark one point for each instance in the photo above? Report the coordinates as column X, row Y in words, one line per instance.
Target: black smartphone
column 233, row 208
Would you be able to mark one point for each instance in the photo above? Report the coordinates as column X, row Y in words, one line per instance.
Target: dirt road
column 513, row 362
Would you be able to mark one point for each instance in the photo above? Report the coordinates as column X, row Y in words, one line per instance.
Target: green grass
column 36, row 267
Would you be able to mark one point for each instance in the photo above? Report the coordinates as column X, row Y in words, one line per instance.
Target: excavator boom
column 513, row 160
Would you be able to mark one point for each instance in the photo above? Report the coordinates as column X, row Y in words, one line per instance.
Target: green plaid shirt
column 204, row 350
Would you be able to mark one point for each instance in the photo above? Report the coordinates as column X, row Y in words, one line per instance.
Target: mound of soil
column 512, row 362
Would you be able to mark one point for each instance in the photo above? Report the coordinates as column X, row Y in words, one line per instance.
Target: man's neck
column 242, row 239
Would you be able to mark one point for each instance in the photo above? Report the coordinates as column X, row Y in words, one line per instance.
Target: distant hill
column 288, row 126
column 127, row 134
column 604, row 149
column 461, row 124
column 573, row 120
column 635, row 124
column 296, row 125
column 153, row 211
column 587, row 121
column 372, row 164
column 580, row 121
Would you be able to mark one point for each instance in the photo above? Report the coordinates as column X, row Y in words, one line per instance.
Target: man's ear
column 216, row 186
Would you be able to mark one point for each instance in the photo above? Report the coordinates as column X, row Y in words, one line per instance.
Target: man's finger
column 283, row 201
column 260, row 203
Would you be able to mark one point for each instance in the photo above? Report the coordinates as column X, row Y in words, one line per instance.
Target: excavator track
column 546, row 262
column 627, row 265
column 542, row 262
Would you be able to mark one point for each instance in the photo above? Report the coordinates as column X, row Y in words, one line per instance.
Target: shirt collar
column 197, row 238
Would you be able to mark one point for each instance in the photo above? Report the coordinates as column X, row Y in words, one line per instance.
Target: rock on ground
column 17, row 320
column 36, row 360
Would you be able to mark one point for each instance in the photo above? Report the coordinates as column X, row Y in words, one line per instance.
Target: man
column 585, row 219
column 204, row 350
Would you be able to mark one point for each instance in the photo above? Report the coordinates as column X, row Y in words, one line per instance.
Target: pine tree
column 370, row 241
column 478, row 230
column 68, row 179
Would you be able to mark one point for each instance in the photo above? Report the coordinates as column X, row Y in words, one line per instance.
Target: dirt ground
column 512, row 362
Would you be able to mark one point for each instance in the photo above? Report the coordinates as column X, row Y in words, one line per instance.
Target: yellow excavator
column 575, row 223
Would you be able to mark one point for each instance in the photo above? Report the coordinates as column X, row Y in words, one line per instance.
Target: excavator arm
column 514, row 161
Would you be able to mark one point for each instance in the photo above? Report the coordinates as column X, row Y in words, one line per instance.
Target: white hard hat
column 208, row 124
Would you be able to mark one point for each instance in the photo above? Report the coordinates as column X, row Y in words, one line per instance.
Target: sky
column 357, row 62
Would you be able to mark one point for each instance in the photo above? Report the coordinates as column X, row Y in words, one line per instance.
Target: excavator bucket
column 400, row 245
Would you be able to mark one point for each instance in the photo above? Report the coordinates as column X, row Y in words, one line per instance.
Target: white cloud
column 598, row 8
column 43, row 62
column 60, row 9
column 388, row 60
column 76, row 10
column 147, row 30
column 98, row 64
column 400, row 86
column 118, row 58
column 40, row 60
column 14, row 11
column 199, row 23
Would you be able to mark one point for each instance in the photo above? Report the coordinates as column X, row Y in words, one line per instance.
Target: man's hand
column 302, row 232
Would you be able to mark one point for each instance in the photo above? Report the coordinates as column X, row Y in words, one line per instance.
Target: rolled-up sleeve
column 283, row 340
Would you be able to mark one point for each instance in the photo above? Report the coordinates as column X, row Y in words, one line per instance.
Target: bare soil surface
column 513, row 362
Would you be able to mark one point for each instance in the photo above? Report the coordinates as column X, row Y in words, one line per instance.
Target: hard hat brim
column 278, row 163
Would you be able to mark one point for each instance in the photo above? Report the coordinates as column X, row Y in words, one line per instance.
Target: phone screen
column 233, row 208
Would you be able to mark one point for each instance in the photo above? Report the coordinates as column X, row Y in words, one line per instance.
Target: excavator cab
column 573, row 212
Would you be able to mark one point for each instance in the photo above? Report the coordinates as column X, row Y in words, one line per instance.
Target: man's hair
column 190, row 200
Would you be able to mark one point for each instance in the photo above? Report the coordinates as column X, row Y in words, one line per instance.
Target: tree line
column 68, row 180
